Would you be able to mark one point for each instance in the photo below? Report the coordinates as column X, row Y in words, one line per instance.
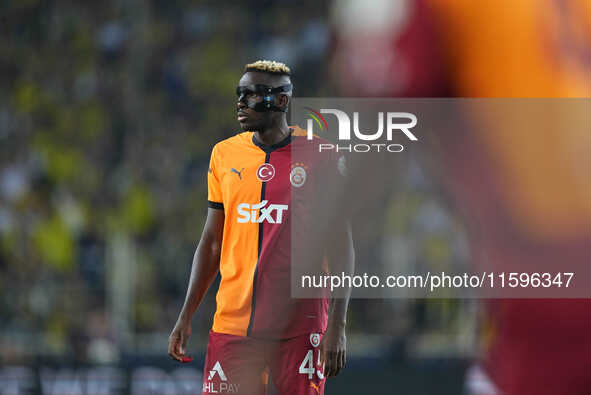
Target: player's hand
column 177, row 341
column 333, row 350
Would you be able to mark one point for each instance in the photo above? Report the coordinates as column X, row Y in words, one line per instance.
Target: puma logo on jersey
column 238, row 172
column 273, row 213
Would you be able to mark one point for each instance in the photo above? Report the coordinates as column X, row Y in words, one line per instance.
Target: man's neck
column 273, row 135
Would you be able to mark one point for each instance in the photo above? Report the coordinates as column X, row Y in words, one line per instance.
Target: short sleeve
column 341, row 165
column 214, row 190
column 338, row 166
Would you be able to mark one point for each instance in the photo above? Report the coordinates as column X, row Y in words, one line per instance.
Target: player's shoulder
column 302, row 135
column 314, row 146
column 231, row 143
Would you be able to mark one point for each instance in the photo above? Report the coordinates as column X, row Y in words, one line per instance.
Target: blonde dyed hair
column 268, row 66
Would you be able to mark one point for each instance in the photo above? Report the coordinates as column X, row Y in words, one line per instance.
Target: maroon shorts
column 243, row 365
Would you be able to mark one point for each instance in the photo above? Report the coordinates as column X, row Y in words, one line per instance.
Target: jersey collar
column 270, row 148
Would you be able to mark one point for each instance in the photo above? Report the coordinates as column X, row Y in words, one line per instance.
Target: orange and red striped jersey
column 253, row 184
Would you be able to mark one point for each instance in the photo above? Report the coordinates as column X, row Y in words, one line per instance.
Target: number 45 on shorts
column 307, row 366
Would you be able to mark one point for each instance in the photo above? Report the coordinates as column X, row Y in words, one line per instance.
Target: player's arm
column 334, row 341
column 206, row 263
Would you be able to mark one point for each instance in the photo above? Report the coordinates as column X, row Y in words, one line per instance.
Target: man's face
column 248, row 118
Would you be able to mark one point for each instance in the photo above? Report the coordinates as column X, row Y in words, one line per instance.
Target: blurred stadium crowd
column 108, row 112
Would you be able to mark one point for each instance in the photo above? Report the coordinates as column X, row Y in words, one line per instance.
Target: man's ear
column 283, row 101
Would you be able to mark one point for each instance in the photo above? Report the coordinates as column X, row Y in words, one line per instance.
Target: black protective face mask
column 248, row 94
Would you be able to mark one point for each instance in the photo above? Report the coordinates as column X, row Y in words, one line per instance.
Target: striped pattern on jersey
column 251, row 183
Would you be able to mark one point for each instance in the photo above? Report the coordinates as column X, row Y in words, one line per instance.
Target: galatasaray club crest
column 297, row 176
column 315, row 339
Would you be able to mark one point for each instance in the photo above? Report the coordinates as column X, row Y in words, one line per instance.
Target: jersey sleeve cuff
column 216, row 205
